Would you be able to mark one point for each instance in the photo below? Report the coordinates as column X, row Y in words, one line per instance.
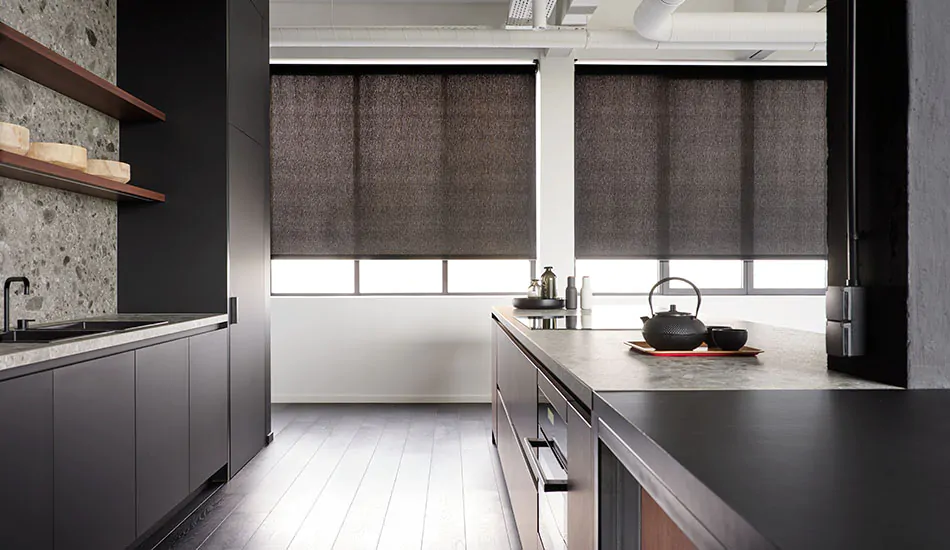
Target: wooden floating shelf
column 23, row 168
column 27, row 57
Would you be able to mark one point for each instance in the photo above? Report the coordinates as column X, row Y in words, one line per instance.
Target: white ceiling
column 606, row 14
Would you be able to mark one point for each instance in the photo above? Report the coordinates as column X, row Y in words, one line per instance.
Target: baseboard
column 344, row 398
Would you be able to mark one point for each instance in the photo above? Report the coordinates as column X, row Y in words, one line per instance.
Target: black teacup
column 730, row 339
column 710, row 341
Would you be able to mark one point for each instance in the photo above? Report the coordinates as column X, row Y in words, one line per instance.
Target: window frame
column 747, row 289
column 533, row 269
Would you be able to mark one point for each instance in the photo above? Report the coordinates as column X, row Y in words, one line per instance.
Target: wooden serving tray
column 702, row 351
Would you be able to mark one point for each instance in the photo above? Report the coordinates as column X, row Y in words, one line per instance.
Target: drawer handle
column 545, row 484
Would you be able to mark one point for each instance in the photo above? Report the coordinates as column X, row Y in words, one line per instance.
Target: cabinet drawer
column 518, row 383
column 522, row 490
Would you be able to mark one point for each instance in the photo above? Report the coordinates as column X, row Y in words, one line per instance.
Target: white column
column 556, row 168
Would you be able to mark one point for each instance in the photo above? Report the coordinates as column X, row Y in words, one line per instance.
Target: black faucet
column 6, row 297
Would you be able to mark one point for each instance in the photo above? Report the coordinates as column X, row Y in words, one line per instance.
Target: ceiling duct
column 656, row 20
column 477, row 37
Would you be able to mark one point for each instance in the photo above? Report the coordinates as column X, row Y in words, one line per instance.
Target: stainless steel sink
column 102, row 326
column 44, row 336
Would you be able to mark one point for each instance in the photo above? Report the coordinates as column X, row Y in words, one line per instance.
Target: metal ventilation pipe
column 410, row 37
column 539, row 11
column 656, row 20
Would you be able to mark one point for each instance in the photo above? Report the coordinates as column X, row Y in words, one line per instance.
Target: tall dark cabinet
column 207, row 248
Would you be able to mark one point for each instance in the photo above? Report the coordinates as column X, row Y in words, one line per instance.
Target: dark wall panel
column 173, row 256
column 881, row 164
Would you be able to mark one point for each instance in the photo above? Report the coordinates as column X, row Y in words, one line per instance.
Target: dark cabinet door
column 161, row 431
column 518, row 383
column 522, row 490
column 94, row 454
column 209, row 405
column 580, row 497
column 248, row 70
column 26, row 462
column 248, row 215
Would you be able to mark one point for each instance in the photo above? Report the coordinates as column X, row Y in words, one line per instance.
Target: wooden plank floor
column 352, row 477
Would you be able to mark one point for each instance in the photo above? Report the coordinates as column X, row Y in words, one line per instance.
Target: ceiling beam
column 388, row 14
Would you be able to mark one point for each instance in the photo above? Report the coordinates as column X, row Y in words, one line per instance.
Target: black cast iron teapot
column 674, row 330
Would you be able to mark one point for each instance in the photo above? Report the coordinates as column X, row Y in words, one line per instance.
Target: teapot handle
column 699, row 295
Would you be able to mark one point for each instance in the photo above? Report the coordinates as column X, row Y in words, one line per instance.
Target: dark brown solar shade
column 404, row 162
column 700, row 162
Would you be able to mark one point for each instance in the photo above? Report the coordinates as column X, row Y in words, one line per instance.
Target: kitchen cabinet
column 215, row 236
column 161, row 431
column 657, row 530
column 208, row 406
column 94, row 454
column 522, row 491
column 518, row 384
column 495, row 331
column 581, row 508
column 248, row 376
column 26, row 462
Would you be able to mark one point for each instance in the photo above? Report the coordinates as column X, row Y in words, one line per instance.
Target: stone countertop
column 588, row 361
column 792, row 469
column 16, row 355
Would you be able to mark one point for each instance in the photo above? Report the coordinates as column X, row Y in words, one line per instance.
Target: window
column 619, row 276
column 310, row 276
column 430, row 277
column 696, row 162
column 708, row 274
column 403, row 162
column 400, row 276
column 790, row 274
column 485, row 276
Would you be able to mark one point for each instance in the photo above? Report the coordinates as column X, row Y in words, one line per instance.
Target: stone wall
column 928, row 193
column 64, row 242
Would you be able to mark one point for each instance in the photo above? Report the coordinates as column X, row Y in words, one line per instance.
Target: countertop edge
column 580, row 390
column 34, row 354
column 702, row 512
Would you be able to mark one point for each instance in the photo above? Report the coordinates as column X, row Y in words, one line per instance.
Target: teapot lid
column 673, row 312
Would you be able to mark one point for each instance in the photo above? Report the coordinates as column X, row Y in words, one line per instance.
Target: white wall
column 435, row 348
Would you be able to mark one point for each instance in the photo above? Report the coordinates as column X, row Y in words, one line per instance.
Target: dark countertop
column 804, row 469
column 588, row 361
column 17, row 355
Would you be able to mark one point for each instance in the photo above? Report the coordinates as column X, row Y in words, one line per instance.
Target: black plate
column 538, row 303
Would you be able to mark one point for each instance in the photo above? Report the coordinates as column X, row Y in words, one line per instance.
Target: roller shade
column 403, row 162
column 700, row 162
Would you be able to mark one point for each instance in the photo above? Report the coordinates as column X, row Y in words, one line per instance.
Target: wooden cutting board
column 60, row 154
column 110, row 169
column 14, row 139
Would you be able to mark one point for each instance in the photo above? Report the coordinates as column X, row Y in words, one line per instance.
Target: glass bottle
column 548, row 283
column 534, row 291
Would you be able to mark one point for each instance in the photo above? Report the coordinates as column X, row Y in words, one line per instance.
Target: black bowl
column 730, row 339
column 538, row 303
column 710, row 343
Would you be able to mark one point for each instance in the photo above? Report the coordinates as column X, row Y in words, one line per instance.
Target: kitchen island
column 579, row 396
